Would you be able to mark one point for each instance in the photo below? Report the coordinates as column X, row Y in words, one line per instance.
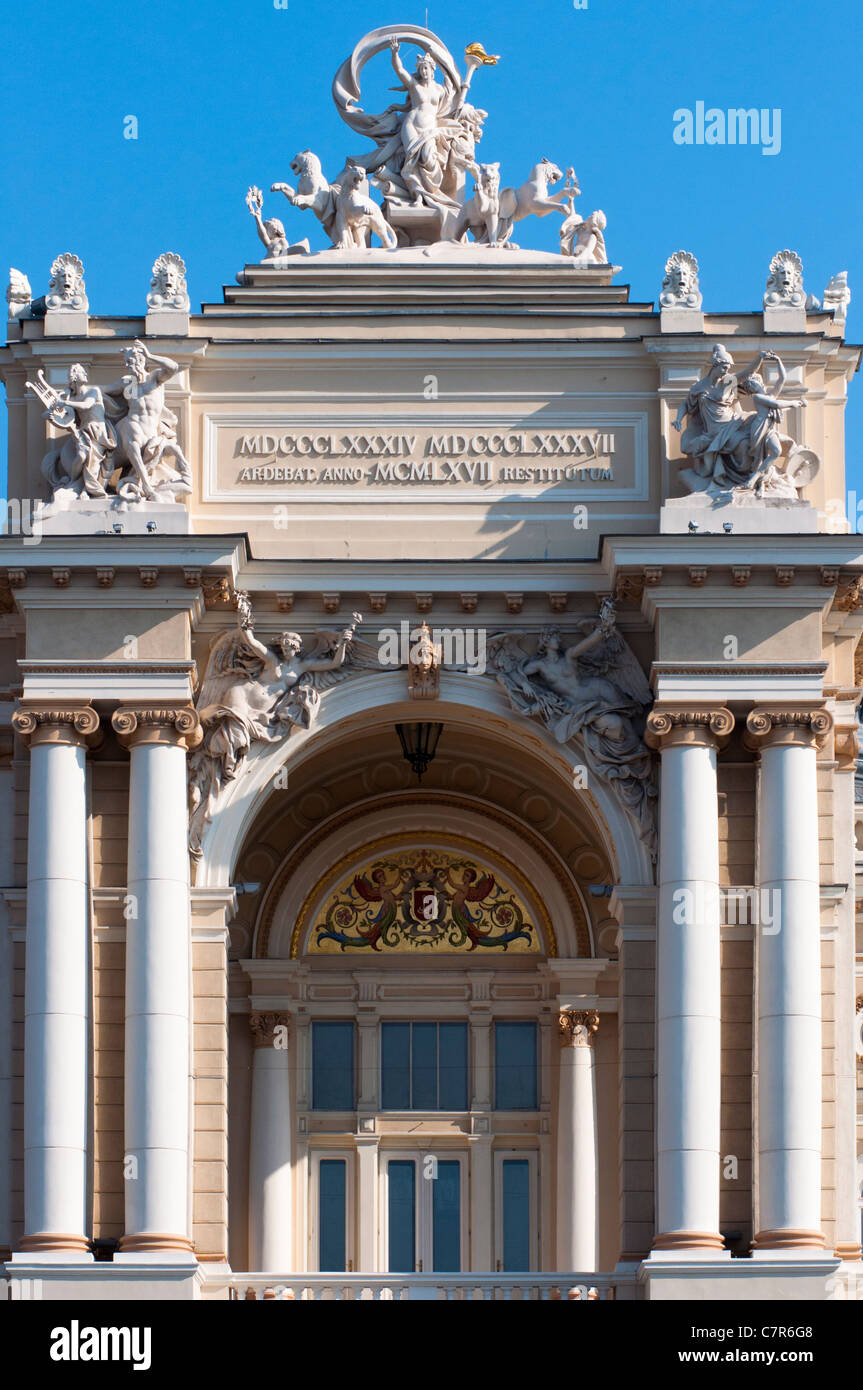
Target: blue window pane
column 424, row 1066
column 452, row 1066
column 516, row 1214
column 515, row 1066
column 332, row 1185
column 332, row 1066
column 401, row 1186
column 446, row 1217
column 396, row 1066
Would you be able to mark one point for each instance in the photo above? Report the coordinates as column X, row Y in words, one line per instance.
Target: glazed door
column 426, row 1203
column 331, row 1212
column 516, row 1211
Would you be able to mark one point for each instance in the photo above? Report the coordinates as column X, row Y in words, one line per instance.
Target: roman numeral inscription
column 473, row 459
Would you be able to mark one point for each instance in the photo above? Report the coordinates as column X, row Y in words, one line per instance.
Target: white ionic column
column 158, row 979
column 688, row 1027
column 7, row 1085
column 57, row 983
column 788, row 978
column 577, row 1194
column 271, row 1248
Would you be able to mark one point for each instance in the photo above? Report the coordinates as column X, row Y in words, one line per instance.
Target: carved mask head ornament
column 549, row 641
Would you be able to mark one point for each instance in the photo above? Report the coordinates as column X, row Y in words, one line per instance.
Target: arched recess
column 366, row 703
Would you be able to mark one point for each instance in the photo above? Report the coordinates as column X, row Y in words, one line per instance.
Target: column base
column 46, row 1242
column 780, row 1277
column 788, row 1238
column 848, row 1250
column 153, row 1242
column 689, row 1240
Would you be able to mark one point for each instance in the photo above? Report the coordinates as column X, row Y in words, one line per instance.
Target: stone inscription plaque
column 272, row 459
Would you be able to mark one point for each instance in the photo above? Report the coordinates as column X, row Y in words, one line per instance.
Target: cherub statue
column 272, row 232
column 593, row 689
column 80, row 463
column 587, row 242
column 256, row 693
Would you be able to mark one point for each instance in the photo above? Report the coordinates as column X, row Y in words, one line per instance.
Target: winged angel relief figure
column 594, row 689
column 255, row 693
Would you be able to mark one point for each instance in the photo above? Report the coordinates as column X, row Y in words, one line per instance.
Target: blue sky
column 226, row 91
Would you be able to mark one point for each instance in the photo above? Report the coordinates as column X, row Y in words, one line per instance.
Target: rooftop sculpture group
column 425, row 148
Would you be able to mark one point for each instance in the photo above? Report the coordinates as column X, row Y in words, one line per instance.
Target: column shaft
column 788, row 965
column 577, row 1194
column 7, row 961
column 158, row 982
column 271, row 1222
column 57, row 983
column 688, row 1024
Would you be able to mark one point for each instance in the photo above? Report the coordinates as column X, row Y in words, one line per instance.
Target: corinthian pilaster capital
column 72, row 724
column 706, row 726
column 174, row 725
column 576, row 1027
column 269, row 1030
column 796, row 726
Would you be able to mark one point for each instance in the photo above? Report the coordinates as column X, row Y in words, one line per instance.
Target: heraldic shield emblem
column 430, row 899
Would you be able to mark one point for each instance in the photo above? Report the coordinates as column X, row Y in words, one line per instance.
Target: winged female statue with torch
column 257, row 693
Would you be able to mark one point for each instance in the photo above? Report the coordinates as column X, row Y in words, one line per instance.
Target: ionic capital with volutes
column 169, row 725
column 787, row 726
column 75, row 725
column 673, row 726
column 576, row 1027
